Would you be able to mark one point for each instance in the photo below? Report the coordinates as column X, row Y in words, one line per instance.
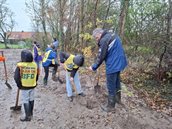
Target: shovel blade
column 16, row 108
column 97, row 88
column 8, row 85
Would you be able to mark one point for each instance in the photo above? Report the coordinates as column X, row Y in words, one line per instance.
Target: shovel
column 97, row 86
column 16, row 107
column 6, row 78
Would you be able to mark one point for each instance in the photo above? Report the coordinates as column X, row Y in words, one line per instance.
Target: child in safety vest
column 71, row 64
column 49, row 60
column 37, row 54
column 26, row 76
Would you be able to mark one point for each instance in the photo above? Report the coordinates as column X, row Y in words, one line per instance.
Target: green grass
column 13, row 46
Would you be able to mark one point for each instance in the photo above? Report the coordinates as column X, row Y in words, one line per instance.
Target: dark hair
column 79, row 60
column 54, row 39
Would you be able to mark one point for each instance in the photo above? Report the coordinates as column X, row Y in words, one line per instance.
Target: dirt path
column 53, row 110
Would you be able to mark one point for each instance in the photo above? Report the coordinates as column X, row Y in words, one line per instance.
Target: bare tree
column 38, row 12
column 6, row 21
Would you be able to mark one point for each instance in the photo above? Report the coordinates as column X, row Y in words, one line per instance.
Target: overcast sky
column 21, row 17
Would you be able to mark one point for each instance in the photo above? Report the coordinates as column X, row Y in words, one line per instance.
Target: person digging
column 110, row 51
column 72, row 63
column 26, row 76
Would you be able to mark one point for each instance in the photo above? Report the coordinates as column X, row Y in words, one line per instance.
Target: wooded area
column 145, row 28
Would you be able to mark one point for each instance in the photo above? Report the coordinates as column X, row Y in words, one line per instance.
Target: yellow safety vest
column 39, row 51
column 28, row 73
column 46, row 57
column 69, row 64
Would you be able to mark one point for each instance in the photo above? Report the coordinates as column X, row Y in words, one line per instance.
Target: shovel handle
column 4, row 66
column 98, row 77
column 17, row 97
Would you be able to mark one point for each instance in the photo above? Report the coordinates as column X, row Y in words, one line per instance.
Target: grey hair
column 97, row 31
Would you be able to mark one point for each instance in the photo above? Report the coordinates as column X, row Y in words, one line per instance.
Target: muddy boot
column 45, row 82
column 118, row 97
column 31, row 104
column 70, row 98
column 54, row 77
column 27, row 113
column 82, row 94
column 110, row 106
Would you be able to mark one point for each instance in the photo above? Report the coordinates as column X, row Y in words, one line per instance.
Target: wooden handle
column 17, row 97
column 4, row 66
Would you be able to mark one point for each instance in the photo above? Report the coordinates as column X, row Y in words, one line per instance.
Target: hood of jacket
column 26, row 56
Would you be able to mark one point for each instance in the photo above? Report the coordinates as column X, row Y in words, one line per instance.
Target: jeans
column 46, row 69
column 113, row 83
column 27, row 95
column 76, row 82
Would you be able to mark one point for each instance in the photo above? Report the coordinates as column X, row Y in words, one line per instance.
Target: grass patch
column 13, row 46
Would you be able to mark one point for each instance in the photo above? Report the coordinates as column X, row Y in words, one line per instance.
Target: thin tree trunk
column 82, row 20
column 123, row 15
column 95, row 14
column 107, row 12
column 169, row 20
column 61, row 23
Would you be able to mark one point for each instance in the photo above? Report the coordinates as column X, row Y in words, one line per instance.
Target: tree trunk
column 82, row 20
column 169, row 20
column 61, row 24
column 107, row 12
column 123, row 14
column 43, row 15
column 95, row 14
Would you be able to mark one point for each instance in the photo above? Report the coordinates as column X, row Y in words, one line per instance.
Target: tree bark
column 123, row 14
column 169, row 20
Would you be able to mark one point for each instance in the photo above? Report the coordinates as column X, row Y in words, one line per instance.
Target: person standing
column 71, row 64
column 26, row 76
column 37, row 56
column 112, row 52
column 49, row 60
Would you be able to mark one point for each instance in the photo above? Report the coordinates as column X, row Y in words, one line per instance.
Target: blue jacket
column 112, row 52
column 51, row 56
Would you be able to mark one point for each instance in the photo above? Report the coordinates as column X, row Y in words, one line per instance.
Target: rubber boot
column 118, row 97
column 45, row 82
column 27, row 113
column 110, row 106
column 54, row 77
column 31, row 105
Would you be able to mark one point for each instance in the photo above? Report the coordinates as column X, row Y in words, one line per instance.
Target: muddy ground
column 53, row 110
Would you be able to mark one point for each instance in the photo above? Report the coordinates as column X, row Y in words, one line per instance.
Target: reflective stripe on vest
column 46, row 55
column 28, row 73
column 69, row 64
column 38, row 50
